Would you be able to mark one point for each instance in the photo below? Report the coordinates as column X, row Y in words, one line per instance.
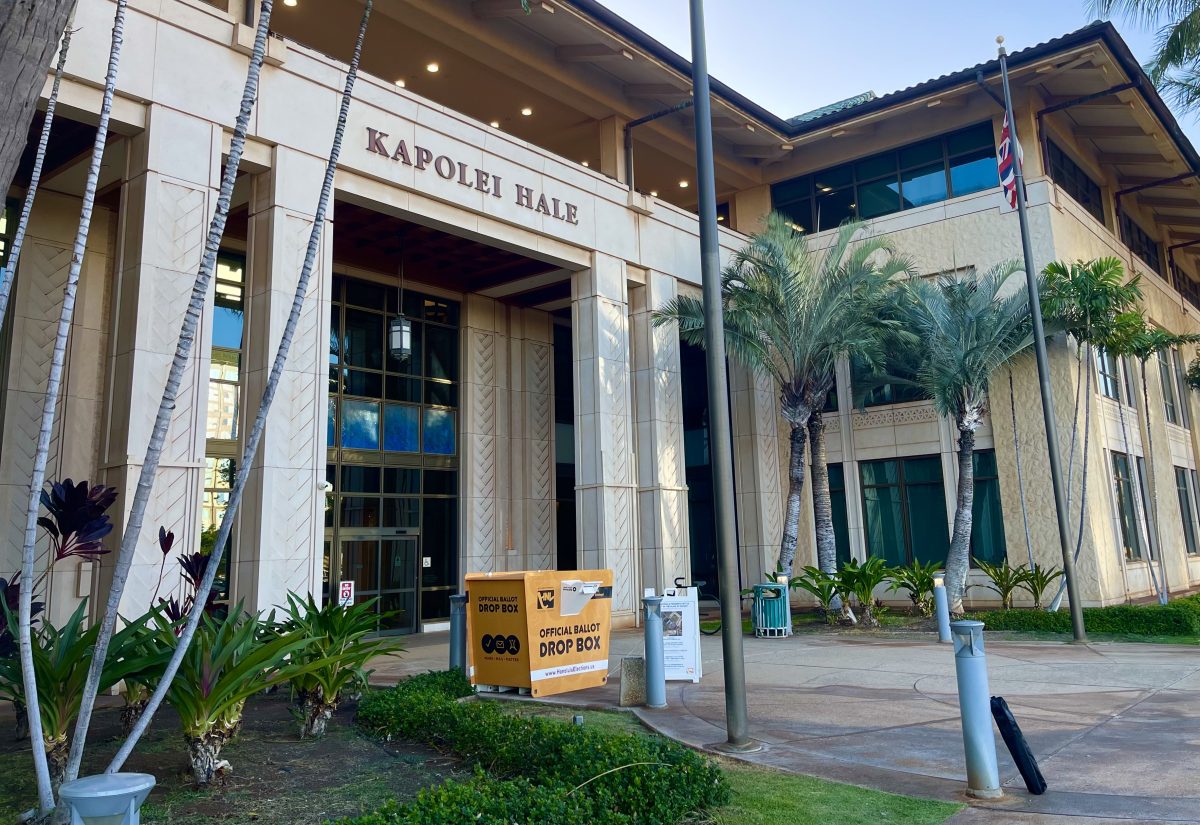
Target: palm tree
column 1175, row 66
column 965, row 331
column 183, row 348
column 264, row 407
column 49, row 408
column 790, row 314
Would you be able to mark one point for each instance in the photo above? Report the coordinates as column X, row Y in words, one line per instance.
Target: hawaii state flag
column 1008, row 151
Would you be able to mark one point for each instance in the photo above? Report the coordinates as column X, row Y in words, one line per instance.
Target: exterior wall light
column 107, row 798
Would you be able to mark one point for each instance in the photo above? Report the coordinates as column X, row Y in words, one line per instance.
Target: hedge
column 539, row 770
column 1178, row 618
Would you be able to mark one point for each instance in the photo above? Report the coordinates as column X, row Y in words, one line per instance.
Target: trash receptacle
column 546, row 631
column 771, row 613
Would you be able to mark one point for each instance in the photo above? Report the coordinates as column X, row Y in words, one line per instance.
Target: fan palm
column 1175, row 66
column 966, row 328
column 790, row 313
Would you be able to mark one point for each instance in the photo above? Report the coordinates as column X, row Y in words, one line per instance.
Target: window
column 1181, row 387
column 1108, row 375
column 1145, row 502
column 1140, row 243
column 987, row 526
column 841, row 520
column 915, row 175
column 904, row 509
column 224, row 374
column 1187, row 509
column 1126, row 518
column 1075, row 182
column 884, row 394
column 1166, row 372
column 723, row 213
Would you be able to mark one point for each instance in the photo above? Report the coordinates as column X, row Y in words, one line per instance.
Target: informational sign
column 547, row 630
column 345, row 593
column 681, row 634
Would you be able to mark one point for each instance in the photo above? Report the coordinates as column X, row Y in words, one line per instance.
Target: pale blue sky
column 795, row 55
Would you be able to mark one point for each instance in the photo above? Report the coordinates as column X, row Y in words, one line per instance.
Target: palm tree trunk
column 35, row 178
column 204, row 753
column 1079, row 362
column 1152, row 517
column 260, row 420
column 28, row 34
column 791, row 521
column 183, row 348
column 315, row 714
column 958, row 562
column 1087, row 433
column 1012, row 405
column 822, row 505
column 49, row 408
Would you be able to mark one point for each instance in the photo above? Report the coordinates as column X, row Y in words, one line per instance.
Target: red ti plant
column 77, row 523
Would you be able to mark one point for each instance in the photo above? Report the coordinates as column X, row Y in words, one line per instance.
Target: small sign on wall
column 345, row 593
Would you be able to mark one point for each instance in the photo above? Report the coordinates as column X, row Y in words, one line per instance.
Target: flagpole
column 1043, row 366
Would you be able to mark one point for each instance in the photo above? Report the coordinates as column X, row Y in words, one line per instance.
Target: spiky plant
column 790, row 313
column 967, row 325
column 860, row 581
column 917, row 580
column 1004, row 580
column 821, row 585
column 1038, row 580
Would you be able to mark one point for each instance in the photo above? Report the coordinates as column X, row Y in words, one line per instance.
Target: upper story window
column 927, row 172
column 225, row 368
column 1075, row 182
column 1140, row 243
column 1174, row 390
column 1114, row 377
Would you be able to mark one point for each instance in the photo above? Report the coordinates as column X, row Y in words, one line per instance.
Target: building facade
column 491, row 195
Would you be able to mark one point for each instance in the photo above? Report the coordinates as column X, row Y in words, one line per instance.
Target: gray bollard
column 941, row 607
column 458, row 632
column 656, row 672
column 974, row 702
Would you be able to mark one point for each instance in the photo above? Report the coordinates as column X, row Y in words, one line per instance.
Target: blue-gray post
column 656, row 671
column 458, row 632
column 941, row 607
column 974, row 702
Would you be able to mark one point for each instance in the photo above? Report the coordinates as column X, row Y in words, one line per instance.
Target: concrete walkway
column 1116, row 727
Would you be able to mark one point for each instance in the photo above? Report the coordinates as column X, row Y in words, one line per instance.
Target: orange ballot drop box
column 545, row 630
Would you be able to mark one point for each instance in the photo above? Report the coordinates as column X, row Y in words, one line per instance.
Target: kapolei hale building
column 540, row 421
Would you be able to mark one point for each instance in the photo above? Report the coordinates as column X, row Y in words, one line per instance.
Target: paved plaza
column 1116, row 727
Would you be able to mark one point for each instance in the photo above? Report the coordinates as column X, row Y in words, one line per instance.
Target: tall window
column 987, row 526
column 1075, row 182
column 1140, row 243
column 1166, row 372
column 1144, row 492
column 1187, row 509
column 1126, row 517
column 904, row 508
column 921, row 173
column 1108, row 375
column 841, row 521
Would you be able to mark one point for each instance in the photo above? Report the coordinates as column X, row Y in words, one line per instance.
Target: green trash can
column 771, row 611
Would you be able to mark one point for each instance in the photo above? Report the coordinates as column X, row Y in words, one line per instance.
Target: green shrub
column 621, row 779
column 1178, row 618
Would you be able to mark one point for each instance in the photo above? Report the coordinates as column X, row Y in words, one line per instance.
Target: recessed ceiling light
column 527, row 111
column 495, row 124
column 289, row 2
column 683, row 184
column 720, row 217
column 400, row 82
column 432, row 68
column 585, row 163
column 654, row 193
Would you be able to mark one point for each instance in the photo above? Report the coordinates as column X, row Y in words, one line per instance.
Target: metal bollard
column 458, row 632
column 656, row 672
column 974, row 702
column 941, row 607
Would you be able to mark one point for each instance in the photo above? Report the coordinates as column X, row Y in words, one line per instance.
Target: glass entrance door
column 384, row 567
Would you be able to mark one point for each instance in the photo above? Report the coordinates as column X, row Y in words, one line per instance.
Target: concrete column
column 750, row 207
column 760, row 453
column 604, row 472
column 279, row 538
column 33, row 315
column 612, row 147
column 485, row 435
column 658, row 410
column 531, row 510
column 167, row 201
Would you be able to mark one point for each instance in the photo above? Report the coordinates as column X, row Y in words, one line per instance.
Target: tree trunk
column 204, row 754
column 1164, row 589
column 21, row 721
column 50, row 406
column 1012, row 403
column 56, row 757
column 35, row 178
column 791, row 520
column 131, row 713
column 1079, row 370
column 822, row 506
column 958, row 562
column 29, row 33
column 183, row 348
column 317, row 713
column 1083, row 477
column 281, row 355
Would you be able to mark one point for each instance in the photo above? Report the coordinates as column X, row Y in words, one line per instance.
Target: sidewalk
column 1116, row 727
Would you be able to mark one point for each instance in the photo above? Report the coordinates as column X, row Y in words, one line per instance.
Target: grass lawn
column 763, row 796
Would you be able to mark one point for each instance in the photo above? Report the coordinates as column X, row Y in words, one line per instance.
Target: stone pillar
column 750, row 208
column 604, row 472
column 658, row 410
column 531, row 511
column 759, row 463
column 612, row 147
column 33, row 315
column 166, row 204
column 278, row 540
column 485, row 430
